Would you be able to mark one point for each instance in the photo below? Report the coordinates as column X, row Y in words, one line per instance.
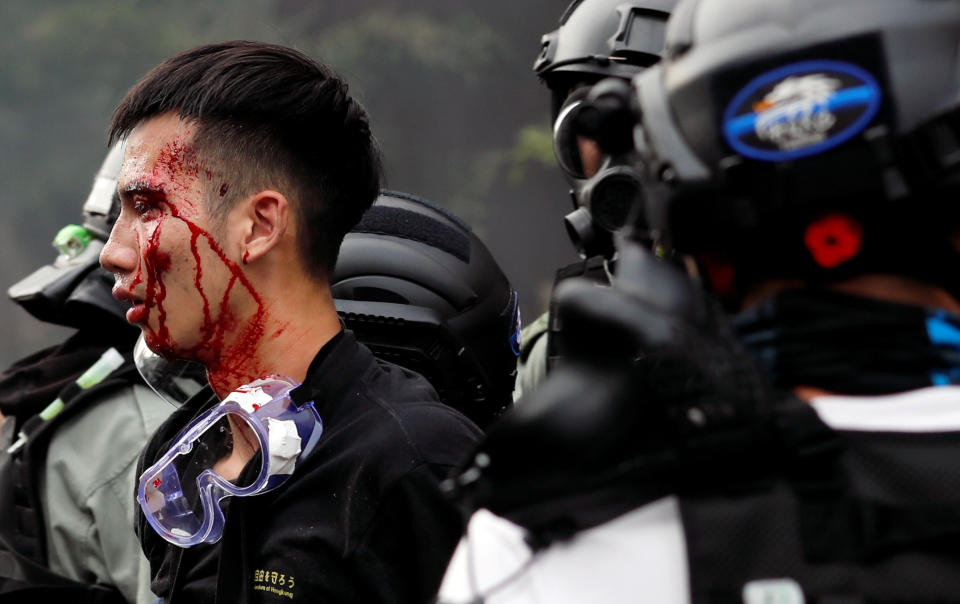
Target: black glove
column 654, row 396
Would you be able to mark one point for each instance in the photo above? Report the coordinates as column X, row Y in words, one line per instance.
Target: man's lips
column 137, row 313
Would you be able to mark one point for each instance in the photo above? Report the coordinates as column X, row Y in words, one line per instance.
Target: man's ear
column 265, row 219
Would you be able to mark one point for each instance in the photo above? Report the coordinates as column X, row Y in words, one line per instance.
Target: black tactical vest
column 591, row 268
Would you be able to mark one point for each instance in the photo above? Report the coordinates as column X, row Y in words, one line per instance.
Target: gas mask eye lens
column 565, row 144
column 579, row 156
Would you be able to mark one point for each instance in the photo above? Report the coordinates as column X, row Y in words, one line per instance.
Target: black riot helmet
column 420, row 289
column 74, row 290
column 807, row 139
column 597, row 39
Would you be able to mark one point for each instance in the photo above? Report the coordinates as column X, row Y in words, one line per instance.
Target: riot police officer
column 596, row 39
column 804, row 155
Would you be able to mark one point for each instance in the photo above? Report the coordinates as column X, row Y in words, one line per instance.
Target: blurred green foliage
column 460, row 116
column 534, row 146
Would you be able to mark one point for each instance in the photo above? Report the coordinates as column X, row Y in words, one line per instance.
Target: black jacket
column 361, row 520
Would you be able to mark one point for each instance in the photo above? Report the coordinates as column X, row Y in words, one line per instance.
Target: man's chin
column 164, row 346
column 137, row 314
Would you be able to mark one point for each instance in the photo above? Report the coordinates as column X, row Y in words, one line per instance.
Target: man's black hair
column 268, row 116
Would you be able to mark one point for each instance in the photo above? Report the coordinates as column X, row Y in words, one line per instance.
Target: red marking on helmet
column 720, row 274
column 157, row 483
column 833, row 239
column 255, row 406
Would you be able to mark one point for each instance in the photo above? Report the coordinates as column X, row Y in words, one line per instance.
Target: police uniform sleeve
column 532, row 365
column 87, row 497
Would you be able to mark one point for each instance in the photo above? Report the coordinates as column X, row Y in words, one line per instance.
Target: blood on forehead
column 160, row 156
column 178, row 167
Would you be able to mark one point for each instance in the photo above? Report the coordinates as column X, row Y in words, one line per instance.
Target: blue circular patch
column 801, row 110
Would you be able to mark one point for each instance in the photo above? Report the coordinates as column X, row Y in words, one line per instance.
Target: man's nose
column 119, row 254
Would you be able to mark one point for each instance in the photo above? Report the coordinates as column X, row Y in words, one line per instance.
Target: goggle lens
column 227, row 451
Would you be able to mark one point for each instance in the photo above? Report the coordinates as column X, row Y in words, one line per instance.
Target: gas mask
column 605, row 187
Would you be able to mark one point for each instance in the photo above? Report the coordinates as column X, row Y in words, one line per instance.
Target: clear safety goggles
column 248, row 444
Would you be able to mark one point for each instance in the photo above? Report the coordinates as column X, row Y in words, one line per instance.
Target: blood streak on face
column 157, row 262
column 227, row 358
column 225, row 342
column 198, row 305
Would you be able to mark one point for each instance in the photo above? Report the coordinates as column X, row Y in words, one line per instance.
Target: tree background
column 460, row 116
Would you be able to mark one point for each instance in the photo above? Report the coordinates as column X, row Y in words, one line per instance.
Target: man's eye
column 145, row 208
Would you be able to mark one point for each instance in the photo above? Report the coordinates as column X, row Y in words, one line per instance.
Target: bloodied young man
column 310, row 472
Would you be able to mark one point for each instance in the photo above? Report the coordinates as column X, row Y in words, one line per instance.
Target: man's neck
column 290, row 331
column 889, row 288
column 902, row 290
